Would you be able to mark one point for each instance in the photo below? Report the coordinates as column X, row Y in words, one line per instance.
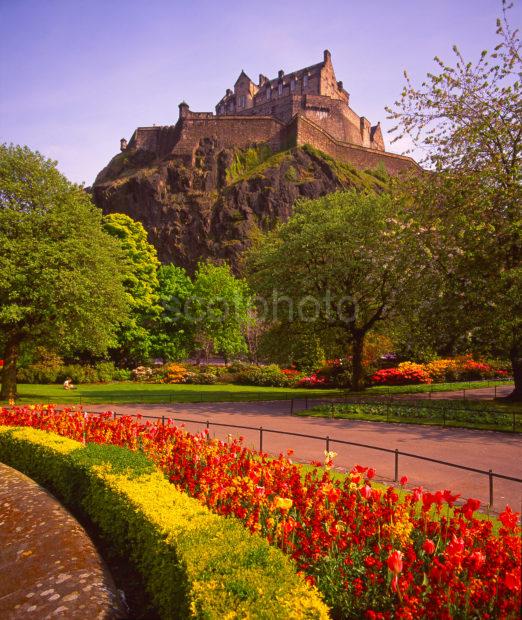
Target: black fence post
column 396, row 465
column 208, row 424
column 163, row 420
column 490, row 488
column 260, row 439
column 292, row 406
column 332, row 415
column 114, row 415
column 327, row 443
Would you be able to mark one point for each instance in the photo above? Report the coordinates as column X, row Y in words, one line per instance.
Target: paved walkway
column 500, row 452
column 49, row 566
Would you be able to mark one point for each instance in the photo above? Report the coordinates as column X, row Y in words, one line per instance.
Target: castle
column 308, row 106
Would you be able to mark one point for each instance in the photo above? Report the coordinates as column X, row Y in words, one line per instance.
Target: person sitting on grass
column 68, row 384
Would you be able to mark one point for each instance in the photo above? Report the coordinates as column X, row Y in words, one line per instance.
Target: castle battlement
column 307, row 106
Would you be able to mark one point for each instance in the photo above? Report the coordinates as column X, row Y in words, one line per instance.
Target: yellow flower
column 284, row 503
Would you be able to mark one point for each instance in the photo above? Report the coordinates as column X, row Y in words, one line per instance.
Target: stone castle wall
column 184, row 138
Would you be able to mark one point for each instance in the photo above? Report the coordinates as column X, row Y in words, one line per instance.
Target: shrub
column 201, row 378
column 406, row 373
column 173, row 373
column 264, row 376
column 122, row 374
column 142, row 374
column 194, row 563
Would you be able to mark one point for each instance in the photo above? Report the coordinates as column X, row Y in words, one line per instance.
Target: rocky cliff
column 214, row 205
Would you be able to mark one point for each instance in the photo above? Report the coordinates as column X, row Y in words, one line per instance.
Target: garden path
column 500, row 452
column 50, row 568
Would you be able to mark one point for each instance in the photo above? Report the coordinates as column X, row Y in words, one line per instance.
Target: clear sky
column 78, row 75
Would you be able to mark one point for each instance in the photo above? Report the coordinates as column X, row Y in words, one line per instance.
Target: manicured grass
column 477, row 415
column 432, row 387
column 109, row 393
column 130, row 392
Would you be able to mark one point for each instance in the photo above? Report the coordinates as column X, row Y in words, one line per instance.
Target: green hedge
column 195, row 564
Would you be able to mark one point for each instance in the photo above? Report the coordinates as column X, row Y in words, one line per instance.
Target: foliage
column 269, row 376
column 61, row 275
column 194, row 563
column 367, row 550
column 467, row 115
column 173, row 332
column 246, row 160
column 350, row 258
column 220, row 308
column 141, row 286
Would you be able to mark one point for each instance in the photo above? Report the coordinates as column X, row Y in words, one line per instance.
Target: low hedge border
column 195, row 564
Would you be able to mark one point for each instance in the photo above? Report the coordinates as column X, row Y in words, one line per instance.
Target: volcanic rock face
column 214, row 205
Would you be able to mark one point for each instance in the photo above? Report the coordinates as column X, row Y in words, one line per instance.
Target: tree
column 141, row 285
column 341, row 263
column 468, row 117
column 60, row 274
column 173, row 333
column 220, row 309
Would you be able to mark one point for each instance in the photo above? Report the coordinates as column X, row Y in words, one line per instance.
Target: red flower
column 508, row 518
column 394, row 562
column 428, row 546
column 403, row 480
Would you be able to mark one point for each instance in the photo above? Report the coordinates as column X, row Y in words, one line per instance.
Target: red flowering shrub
column 315, row 380
column 404, row 374
column 370, row 554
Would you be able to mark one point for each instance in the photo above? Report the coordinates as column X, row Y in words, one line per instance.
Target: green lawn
column 478, row 414
column 129, row 392
column 109, row 393
column 433, row 387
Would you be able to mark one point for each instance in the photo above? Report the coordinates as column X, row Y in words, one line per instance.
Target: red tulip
column 394, row 562
column 428, row 546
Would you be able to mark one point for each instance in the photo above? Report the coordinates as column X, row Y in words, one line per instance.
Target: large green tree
column 340, row 264
column 60, row 273
column 220, row 309
column 141, row 286
column 468, row 116
column 174, row 331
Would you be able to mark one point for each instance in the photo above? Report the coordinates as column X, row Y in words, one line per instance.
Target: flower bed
column 463, row 368
column 371, row 554
column 194, row 563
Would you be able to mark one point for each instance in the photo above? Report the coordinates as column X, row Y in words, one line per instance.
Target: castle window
column 305, row 81
column 268, row 92
column 280, row 89
column 292, row 86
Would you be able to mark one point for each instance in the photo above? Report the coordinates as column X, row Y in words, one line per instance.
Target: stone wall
column 308, row 132
column 184, row 138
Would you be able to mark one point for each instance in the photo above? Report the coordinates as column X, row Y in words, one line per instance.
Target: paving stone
column 44, row 554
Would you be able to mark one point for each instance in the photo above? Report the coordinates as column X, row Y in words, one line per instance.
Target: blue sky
column 78, row 75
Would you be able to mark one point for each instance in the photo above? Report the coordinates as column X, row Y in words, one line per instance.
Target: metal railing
column 329, row 441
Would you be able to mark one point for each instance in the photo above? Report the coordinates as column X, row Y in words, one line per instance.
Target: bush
column 142, row 374
column 201, row 378
column 264, row 376
column 122, row 374
column 194, row 563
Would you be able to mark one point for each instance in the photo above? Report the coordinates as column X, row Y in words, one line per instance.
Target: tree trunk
column 357, row 361
column 11, row 351
column 515, row 355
